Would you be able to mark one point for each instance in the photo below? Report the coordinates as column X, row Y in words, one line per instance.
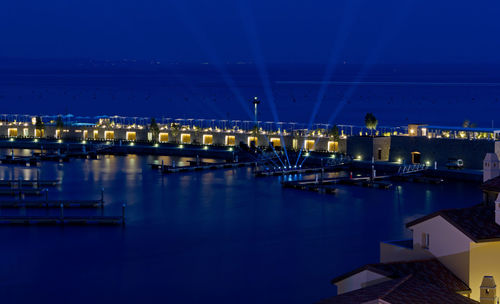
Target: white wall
column 447, row 243
column 359, row 280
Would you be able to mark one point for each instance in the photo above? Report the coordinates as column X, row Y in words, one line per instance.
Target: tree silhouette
column 371, row 122
column 155, row 130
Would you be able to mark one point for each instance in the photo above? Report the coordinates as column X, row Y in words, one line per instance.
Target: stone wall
column 472, row 152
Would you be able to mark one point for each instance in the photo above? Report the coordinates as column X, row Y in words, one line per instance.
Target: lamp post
column 256, row 102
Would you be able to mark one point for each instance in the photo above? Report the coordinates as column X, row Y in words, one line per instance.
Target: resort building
column 451, row 258
column 412, row 144
column 186, row 132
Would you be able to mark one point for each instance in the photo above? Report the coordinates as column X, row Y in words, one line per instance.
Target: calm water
column 211, row 237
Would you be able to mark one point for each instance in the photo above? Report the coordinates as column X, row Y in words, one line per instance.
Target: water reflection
column 264, row 239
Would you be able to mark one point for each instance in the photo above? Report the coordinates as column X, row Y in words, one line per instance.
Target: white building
column 453, row 257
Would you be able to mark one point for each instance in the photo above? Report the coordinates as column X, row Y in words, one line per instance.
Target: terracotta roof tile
column 477, row 222
column 492, row 184
column 425, row 281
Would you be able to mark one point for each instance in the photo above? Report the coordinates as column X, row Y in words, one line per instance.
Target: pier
column 30, row 183
column 51, row 203
column 199, row 166
column 61, row 219
column 67, row 220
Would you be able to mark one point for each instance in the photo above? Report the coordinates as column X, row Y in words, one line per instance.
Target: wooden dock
column 21, row 192
column 61, row 219
column 30, row 183
column 19, row 160
column 326, row 185
column 201, row 166
column 51, row 203
column 64, row 220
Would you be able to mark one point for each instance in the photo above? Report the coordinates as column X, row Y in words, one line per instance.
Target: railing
column 411, row 168
column 301, row 129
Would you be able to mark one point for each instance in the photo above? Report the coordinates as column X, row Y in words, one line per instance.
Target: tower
column 491, row 167
column 488, row 291
column 256, row 102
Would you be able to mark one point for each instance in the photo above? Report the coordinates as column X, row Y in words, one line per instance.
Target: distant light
column 181, row 146
column 156, row 145
column 427, row 163
column 333, row 156
column 132, row 144
column 36, row 140
column 399, row 160
column 11, row 139
column 205, row 148
column 230, row 149
column 359, row 157
column 307, row 154
column 59, row 141
column 84, row 141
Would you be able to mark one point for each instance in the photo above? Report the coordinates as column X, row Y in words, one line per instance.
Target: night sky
column 357, row 31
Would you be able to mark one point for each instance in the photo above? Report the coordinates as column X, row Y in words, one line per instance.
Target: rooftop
column 476, row 222
column 426, row 281
column 450, row 128
column 492, row 184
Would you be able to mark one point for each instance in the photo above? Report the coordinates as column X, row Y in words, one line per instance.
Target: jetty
column 30, row 183
column 62, row 219
column 19, row 160
column 65, row 220
column 21, row 192
column 325, row 185
column 51, row 203
column 199, row 166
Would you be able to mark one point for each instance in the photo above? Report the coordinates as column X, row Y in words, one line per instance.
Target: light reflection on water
column 247, row 239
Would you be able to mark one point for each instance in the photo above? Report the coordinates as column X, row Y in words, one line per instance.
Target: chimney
column 488, row 291
column 491, row 166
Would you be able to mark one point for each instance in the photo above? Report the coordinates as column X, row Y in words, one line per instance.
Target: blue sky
column 360, row 31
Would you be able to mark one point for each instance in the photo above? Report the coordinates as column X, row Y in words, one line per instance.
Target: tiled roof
column 476, row 222
column 408, row 290
column 428, row 270
column 492, row 184
column 411, row 282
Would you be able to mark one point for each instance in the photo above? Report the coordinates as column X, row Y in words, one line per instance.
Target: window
column 252, row 141
column 208, row 139
column 333, row 146
column 308, row 145
column 276, row 142
column 12, row 132
column 163, row 137
column 131, row 136
column 109, row 135
column 425, row 240
column 186, row 138
column 230, row 140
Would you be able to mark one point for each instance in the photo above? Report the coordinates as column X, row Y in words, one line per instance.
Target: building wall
column 472, row 152
column 484, row 261
column 360, row 147
column 448, row 244
column 142, row 134
column 384, row 145
column 359, row 280
column 393, row 253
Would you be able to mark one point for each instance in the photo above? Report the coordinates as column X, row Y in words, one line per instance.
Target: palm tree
column 371, row 122
column 39, row 125
column 334, row 133
column 174, row 130
column 155, row 130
